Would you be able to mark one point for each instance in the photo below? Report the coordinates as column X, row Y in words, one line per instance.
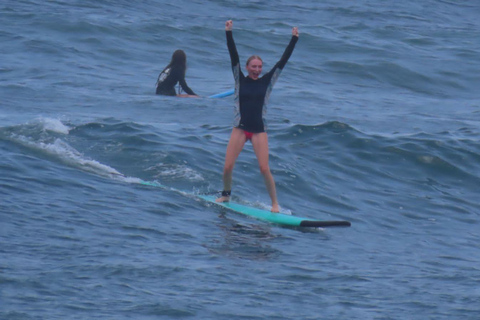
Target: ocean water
column 374, row 120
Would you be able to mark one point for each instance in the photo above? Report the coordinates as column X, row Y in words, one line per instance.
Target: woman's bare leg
column 235, row 146
column 260, row 146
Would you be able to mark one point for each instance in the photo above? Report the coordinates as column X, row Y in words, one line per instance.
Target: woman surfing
column 251, row 99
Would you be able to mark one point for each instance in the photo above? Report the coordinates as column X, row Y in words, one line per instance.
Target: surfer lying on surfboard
column 251, row 98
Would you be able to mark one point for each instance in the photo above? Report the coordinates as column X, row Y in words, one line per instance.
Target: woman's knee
column 264, row 169
column 228, row 168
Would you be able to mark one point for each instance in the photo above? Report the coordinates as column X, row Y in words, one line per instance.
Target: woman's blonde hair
column 253, row 58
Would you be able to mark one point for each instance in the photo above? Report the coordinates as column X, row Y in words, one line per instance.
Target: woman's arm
column 186, row 88
column 289, row 50
column 232, row 49
column 178, row 75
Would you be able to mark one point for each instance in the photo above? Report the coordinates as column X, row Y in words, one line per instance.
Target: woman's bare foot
column 223, row 199
column 275, row 208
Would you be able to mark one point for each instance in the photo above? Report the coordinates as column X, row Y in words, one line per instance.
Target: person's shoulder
column 175, row 71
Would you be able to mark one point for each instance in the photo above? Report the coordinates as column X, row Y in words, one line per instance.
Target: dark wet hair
column 252, row 58
column 179, row 60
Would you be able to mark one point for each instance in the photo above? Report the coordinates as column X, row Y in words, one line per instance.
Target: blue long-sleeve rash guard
column 251, row 96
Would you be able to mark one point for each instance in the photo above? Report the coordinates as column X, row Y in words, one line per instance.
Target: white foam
column 178, row 171
column 66, row 153
column 71, row 156
column 131, row 179
column 54, row 125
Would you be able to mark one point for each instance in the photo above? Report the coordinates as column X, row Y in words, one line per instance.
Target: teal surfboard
column 260, row 214
column 276, row 218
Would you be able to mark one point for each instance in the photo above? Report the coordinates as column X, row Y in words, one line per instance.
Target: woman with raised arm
column 251, row 98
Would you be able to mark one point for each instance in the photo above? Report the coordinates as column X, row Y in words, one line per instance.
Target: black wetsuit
column 169, row 78
column 251, row 96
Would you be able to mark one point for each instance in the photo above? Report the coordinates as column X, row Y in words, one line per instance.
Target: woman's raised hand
column 295, row 31
column 229, row 25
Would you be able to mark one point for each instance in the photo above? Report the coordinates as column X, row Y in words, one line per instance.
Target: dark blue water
column 374, row 120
